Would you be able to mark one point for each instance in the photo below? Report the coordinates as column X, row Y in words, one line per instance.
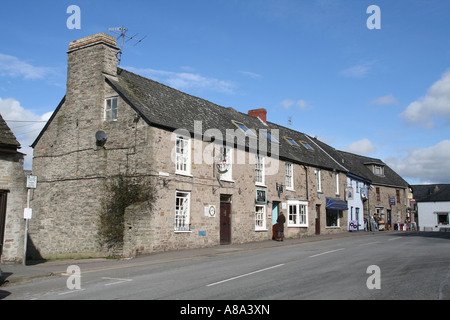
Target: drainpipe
column 307, row 188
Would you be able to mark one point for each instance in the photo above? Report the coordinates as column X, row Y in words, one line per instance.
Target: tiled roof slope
column 431, row 192
column 7, row 138
column 162, row 106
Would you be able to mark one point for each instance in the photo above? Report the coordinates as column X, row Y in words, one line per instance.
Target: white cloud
column 358, row 71
column 430, row 165
column 384, row 100
column 14, row 67
column 434, row 106
column 362, row 147
column 25, row 132
column 186, row 80
column 300, row 104
column 251, row 74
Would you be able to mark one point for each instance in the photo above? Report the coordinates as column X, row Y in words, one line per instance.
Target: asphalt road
column 380, row 266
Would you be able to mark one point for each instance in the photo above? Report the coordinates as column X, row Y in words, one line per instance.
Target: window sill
column 181, row 173
column 261, row 230
column 188, row 231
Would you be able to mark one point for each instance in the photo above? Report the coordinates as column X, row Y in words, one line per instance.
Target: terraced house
column 219, row 176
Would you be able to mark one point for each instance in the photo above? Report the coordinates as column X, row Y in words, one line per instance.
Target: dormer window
column 378, row 170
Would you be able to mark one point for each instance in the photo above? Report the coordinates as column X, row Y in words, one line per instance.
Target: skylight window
column 243, row 127
column 306, row 145
column 268, row 135
column 292, row 142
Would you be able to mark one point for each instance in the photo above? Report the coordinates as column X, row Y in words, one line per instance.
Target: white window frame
column 183, row 155
column 228, row 152
column 289, row 175
column 260, row 218
column 110, row 115
column 336, row 180
column 260, row 171
column 297, row 213
column 182, row 211
column 318, row 180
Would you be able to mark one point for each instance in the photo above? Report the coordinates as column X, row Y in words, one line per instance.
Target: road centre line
column 117, row 282
column 320, row 254
column 244, row 275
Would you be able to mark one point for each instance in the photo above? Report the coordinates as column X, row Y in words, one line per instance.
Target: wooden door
column 225, row 220
column 317, row 219
column 2, row 218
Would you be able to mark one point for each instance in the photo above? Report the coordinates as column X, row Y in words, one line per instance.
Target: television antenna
column 121, row 31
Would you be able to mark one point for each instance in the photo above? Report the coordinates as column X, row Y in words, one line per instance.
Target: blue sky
column 383, row 93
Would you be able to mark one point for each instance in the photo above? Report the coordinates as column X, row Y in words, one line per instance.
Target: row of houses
column 216, row 175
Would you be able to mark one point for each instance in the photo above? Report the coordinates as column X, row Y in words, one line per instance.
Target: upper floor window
column 225, row 165
column 183, row 155
column 378, row 170
column 259, row 170
column 289, row 169
column 111, row 109
column 318, row 180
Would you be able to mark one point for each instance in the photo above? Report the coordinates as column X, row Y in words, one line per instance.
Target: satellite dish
column 101, row 138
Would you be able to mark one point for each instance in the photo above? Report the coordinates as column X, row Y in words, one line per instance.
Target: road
column 381, row 266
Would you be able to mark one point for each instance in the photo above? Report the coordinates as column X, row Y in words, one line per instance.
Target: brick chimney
column 259, row 113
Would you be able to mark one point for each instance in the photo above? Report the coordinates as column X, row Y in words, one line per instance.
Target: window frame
column 301, row 213
column 109, row 114
column 289, row 175
column 182, row 222
column 260, row 167
column 260, row 218
column 183, row 159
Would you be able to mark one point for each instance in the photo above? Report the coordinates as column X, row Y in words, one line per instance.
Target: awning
column 336, row 204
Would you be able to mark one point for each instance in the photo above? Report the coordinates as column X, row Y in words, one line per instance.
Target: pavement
column 18, row 273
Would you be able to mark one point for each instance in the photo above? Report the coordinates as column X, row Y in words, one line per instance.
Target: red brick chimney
column 259, row 113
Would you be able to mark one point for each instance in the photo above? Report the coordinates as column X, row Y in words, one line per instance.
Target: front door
column 2, row 218
column 317, row 219
column 225, row 219
column 275, row 210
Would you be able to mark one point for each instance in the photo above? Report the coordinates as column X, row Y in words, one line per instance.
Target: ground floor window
column 442, row 218
column 182, row 211
column 297, row 214
column 260, row 217
column 333, row 217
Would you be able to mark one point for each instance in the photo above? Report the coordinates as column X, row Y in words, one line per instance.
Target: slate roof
column 7, row 138
column 431, row 192
column 168, row 108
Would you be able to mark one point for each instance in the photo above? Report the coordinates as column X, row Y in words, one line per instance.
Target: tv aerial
column 121, row 31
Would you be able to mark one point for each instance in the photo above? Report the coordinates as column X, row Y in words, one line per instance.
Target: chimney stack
column 259, row 113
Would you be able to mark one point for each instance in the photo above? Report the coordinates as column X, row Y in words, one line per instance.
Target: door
column 317, row 219
column 225, row 219
column 275, row 210
column 2, row 218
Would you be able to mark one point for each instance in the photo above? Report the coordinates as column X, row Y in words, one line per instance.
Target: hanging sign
column 261, row 196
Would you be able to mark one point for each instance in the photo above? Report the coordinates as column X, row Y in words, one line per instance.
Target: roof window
column 244, row 128
column 292, row 142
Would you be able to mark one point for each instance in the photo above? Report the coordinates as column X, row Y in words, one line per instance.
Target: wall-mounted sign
column 261, row 196
column 392, row 201
column 31, row 182
column 210, row 211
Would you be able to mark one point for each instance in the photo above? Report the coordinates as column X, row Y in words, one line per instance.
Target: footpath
column 18, row 273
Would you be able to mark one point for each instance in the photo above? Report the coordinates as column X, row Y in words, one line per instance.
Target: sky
column 375, row 82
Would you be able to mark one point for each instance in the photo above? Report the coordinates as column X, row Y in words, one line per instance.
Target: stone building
column 13, row 196
column 220, row 176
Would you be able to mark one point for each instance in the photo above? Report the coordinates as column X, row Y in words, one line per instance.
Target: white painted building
column 356, row 194
column 433, row 206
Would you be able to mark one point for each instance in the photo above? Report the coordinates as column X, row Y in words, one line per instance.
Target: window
column 318, row 180
column 306, row 145
column 397, row 195
column 289, row 169
column 336, row 180
column 111, row 109
column 227, row 158
column 297, row 214
column 259, row 170
column 182, row 211
column 269, row 136
column 292, row 142
column 378, row 170
column 442, row 218
column 243, row 127
column 183, row 155
column 260, row 217
column 377, row 190
column 332, row 217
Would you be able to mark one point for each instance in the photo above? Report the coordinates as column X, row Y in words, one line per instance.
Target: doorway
column 225, row 219
column 275, row 211
column 3, row 195
column 317, row 219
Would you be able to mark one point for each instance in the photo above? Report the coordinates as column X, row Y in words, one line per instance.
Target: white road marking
column 320, row 254
column 117, row 282
column 244, row 275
